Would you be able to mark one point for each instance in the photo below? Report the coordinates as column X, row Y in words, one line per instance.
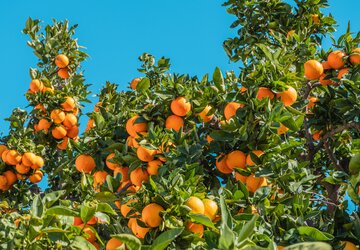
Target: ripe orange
column 3, row 183
column 342, row 72
column 312, row 100
column 240, row 177
column 43, row 125
column 38, row 163
column 145, row 154
column 85, row 163
column 96, row 107
column 138, row 176
column 317, row 135
column 315, row 18
column 89, row 235
column 355, row 58
column 59, row 132
column 204, row 114
column 36, row 85
column 236, row 159
column 282, row 129
column 288, row 97
column 231, row 108
column 22, row 169
column 326, row 65
column 180, row 106
column 209, row 139
column 195, row 228
column 36, row 177
column 10, row 176
column 70, row 120
column 264, row 93
column 57, row 116
column 68, row 104
column 336, row 60
column 249, row 161
column 134, row 83
column 151, row 215
column 253, row 183
column 99, row 178
column 4, row 156
column 2, row 149
column 222, row 166
column 211, row 208
column 109, row 164
column 63, row 144
column 28, row 159
column 139, row 231
column 325, row 82
column 133, row 128
column 90, row 125
column 243, row 89
column 63, row 73
column 13, row 157
column 131, row 141
column 72, row 132
column 62, row 61
column 125, row 208
column 196, row 205
column 349, row 245
column 174, row 122
column 153, row 166
column 113, row 244
column 124, row 171
column 313, row 69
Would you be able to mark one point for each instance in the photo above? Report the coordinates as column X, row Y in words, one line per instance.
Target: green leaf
column 219, row 79
column 202, row 219
column 50, row 198
column 164, row 239
column 61, row 210
column 227, row 237
column 105, row 208
column 86, row 213
column 291, row 124
column 81, row 244
column 105, row 197
column 37, row 206
column 314, row 233
column 248, row 229
column 309, row 246
column 143, row 85
column 131, row 242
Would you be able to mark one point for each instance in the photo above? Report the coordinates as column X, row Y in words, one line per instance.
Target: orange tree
column 259, row 160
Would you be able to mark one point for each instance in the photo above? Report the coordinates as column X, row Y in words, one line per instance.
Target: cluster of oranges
column 62, row 62
column 37, row 85
column 21, row 166
column 87, row 230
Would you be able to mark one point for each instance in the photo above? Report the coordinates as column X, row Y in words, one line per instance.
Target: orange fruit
column 70, row 120
column 43, row 125
column 222, row 166
column 355, row 58
column 139, row 231
column 113, row 244
column 264, row 93
column 249, row 161
column 145, row 154
column 125, row 208
column 2, row 149
column 282, row 129
column 3, row 183
column 99, row 178
column 315, row 18
column 36, row 85
column 61, row 61
column 28, row 159
column 4, row 156
column 22, row 169
column 63, row 144
column 336, row 60
column 72, row 132
column 36, row 177
column 20, row 177
column 59, row 132
column 236, row 159
column 138, row 176
column 231, row 108
column 109, row 164
column 153, row 166
column 11, row 177
column 134, row 83
column 253, row 183
column 211, row 208
column 313, row 69
column 90, row 125
column 209, row 139
column 38, row 163
column 131, row 141
column 85, row 163
column 317, row 135
column 133, row 128
column 180, row 106
column 63, row 73
column 288, row 97
column 204, row 114
column 325, row 82
column 312, row 100
column 240, row 177
column 326, row 65
column 243, row 89
column 151, row 215
column 96, row 107
column 88, row 234
column 13, row 157
column 57, row 116
column 68, row 104
column 174, row 122
column 342, row 72
column 195, row 228
column 196, row 205
column 124, row 171
column 349, row 245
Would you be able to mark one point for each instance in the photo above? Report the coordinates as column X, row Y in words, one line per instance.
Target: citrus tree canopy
column 267, row 159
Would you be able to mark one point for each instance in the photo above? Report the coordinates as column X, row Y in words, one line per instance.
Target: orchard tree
column 267, row 159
